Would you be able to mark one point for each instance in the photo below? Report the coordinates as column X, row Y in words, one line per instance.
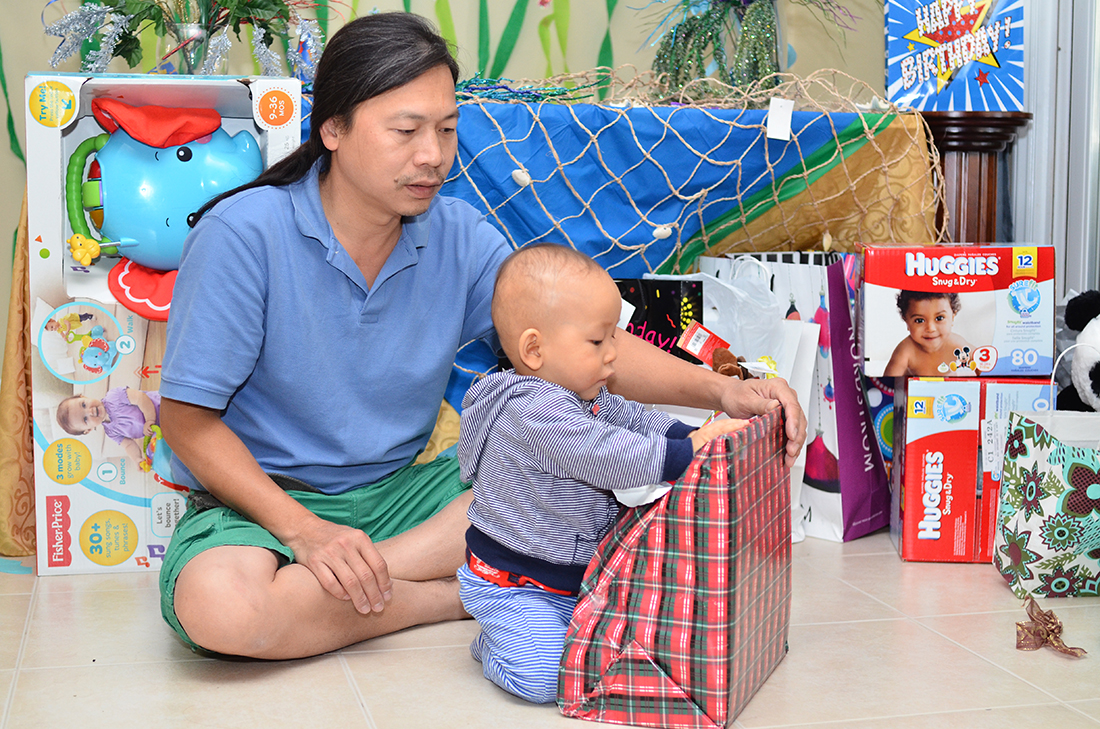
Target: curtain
column 17, row 538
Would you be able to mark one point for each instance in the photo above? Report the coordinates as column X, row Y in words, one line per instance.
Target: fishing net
column 647, row 179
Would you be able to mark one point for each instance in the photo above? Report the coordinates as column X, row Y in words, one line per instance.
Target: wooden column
column 969, row 143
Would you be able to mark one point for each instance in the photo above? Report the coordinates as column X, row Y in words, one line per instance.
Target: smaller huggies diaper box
column 944, row 311
column 949, row 442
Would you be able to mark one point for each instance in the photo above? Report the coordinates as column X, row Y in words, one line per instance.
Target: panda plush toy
column 1083, row 317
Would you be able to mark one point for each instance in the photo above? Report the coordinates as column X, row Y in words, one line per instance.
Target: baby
column 931, row 349
column 127, row 416
column 544, row 445
column 63, row 325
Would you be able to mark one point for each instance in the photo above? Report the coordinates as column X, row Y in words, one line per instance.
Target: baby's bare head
column 534, row 288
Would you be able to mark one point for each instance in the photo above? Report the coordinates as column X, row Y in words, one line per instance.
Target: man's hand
column 346, row 563
column 746, row 398
column 705, row 434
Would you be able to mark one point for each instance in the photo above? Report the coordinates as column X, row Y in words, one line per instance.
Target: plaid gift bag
column 684, row 610
column 1047, row 541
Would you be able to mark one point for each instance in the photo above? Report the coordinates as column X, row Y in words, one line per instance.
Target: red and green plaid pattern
column 684, row 610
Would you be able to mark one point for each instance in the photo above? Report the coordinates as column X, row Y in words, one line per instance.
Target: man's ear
column 529, row 349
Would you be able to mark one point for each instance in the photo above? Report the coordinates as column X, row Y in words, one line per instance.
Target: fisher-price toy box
column 945, row 310
column 949, row 442
column 123, row 161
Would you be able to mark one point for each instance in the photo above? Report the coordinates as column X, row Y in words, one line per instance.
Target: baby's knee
column 533, row 678
column 544, row 690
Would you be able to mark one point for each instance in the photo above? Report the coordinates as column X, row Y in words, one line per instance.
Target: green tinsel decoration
column 686, row 48
column 754, row 58
column 500, row 89
column 698, row 43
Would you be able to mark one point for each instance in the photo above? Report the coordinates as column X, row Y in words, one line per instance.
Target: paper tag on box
column 780, row 112
column 700, row 342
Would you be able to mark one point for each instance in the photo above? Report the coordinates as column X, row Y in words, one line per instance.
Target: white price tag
column 779, row 119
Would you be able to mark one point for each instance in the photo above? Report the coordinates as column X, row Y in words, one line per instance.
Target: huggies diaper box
column 941, row 311
column 949, row 441
column 116, row 166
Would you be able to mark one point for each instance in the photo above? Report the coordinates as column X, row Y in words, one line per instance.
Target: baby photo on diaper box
column 957, row 311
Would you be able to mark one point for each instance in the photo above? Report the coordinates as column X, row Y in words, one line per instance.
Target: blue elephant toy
column 97, row 354
column 150, row 174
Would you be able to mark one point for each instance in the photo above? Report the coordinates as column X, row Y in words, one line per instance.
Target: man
column 315, row 319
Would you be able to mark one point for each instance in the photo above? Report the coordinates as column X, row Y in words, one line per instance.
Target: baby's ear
column 529, row 349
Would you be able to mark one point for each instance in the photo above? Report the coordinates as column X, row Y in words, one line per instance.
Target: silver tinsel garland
column 217, row 53
column 88, row 21
column 75, row 28
column 303, row 59
column 96, row 61
column 267, row 58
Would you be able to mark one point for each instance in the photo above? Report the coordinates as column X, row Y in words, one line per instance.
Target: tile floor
column 874, row 642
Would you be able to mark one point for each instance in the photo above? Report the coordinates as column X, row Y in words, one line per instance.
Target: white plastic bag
column 742, row 309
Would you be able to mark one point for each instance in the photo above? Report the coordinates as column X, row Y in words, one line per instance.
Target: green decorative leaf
column 544, row 38
column 446, row 21
column 483, row 38
column 322, row 16
column 606, row 56
column 508, row 38
column 561, row 27
column 13, row 138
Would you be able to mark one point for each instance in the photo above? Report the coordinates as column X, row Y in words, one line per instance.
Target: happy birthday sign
column 955, row 55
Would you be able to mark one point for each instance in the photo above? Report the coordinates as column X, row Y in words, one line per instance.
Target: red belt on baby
column 505, row 578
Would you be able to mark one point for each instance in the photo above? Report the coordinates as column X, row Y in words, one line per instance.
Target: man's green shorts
column 385, row 509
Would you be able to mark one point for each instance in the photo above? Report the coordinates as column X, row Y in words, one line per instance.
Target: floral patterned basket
column 1048, row 527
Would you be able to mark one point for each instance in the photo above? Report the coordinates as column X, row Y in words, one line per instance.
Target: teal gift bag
column 1048, row 525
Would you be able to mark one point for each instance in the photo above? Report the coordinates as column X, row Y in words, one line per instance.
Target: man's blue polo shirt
column 324, row 378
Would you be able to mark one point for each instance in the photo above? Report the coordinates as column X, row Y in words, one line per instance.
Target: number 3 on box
column 985, row 358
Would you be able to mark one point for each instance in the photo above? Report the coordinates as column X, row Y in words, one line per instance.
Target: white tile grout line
column 366, row 651
column 354, row 689
column 846, row 722
column 996, row 665
column 108, row 664
column 917, row 621
column 1071, row 707
column 19, row 656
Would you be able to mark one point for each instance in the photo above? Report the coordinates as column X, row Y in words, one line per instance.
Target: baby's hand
column 710, row 431
column 147, row 429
